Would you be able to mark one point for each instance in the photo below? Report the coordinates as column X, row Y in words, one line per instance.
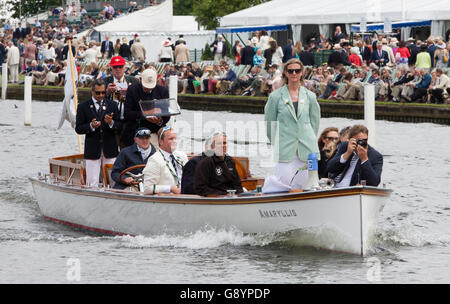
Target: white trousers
column 93, row 168
column 14, row 71
column 287, row 173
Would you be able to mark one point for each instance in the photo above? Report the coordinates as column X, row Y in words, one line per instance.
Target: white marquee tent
column 153, row 25
column 325, row 13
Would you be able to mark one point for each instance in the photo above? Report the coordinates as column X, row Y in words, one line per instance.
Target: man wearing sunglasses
column 164, row 169
column 137, row 154
column 355, row 161
column 97, row 119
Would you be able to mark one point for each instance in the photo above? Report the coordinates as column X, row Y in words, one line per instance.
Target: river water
column 413, row 237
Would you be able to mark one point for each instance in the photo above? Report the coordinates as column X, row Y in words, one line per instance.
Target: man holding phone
column 97, row 118
column 356, row 161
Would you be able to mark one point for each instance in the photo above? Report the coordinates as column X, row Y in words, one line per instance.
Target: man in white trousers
column 13, row 60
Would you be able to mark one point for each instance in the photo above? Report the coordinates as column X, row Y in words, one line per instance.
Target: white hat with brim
column 148, row 78
column 337, row 46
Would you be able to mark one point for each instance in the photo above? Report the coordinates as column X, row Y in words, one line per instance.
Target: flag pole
column 75, row 93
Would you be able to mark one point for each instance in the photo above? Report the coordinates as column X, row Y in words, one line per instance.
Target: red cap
column 117, row 61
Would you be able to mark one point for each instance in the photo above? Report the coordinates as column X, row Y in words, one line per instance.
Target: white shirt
column 120, row 84
column 179, row 171
column 97, row 106
column 345, row 182
column 219, row 47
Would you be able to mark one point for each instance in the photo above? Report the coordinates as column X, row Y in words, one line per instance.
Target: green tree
column 30, row 7
column 208, row 12
column 183, row 7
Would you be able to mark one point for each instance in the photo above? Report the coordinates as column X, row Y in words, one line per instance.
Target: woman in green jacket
column 292, row 116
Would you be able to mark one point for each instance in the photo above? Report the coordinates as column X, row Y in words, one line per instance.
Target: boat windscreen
column 159, row 107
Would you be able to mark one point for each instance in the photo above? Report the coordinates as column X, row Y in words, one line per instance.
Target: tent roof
column 153, row 20
column 332, row 12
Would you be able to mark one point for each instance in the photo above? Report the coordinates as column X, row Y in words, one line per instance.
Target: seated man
column 421, row 89
column 136, row 154
column 163, row 172
column 216, row 174
column 355, row 161
column 187, row 182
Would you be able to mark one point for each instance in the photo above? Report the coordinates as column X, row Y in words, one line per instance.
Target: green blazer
column 292, row 133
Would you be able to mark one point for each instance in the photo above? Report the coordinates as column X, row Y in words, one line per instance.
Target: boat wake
column 203, row 239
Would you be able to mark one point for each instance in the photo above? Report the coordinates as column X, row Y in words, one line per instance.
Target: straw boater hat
column 394, row 40
column 337, row 46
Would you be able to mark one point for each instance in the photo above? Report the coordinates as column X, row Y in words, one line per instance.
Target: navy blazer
column 103, row 138
column 384, row 56
column 188, row 177
column 128, row 157
column 370, row 171
column 133, row 114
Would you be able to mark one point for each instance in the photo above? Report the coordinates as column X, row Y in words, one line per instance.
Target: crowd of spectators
column 411, row 71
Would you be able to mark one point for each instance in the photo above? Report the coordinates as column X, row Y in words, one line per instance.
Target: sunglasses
column 332, row 138
column 143, row 133
column 118, row 67
column 297, row 71
column 100, row 92
column 164, row 130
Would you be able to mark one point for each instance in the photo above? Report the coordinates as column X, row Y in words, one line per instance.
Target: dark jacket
column 307, row 58
column 287, row 52
column 214, row 176
column 247, row 54
column 128, row 157
column 125, row 51
column 366, row 53
column 102, row 138
column 187, row 181
column 110, row 48
column 384, row 56
column 224, row 48
column 129, row 79
column 133, row 114
column 370, row 171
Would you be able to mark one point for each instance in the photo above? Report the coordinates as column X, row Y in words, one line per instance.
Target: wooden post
column 369, row 111
column 4, row 79
column 27, row 100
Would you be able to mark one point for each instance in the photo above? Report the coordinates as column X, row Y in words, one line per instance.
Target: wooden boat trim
column 195, row 199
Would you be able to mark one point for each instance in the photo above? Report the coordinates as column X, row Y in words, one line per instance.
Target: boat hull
column 342, row 219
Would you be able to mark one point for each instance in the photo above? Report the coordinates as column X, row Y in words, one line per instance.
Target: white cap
column 148, row 78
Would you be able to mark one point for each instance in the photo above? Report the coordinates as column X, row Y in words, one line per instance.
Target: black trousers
column 437, row 96
column 419, row 94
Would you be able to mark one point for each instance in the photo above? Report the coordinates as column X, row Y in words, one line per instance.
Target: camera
column 362, row 143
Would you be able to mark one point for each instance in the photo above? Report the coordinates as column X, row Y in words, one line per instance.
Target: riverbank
column 400, row 112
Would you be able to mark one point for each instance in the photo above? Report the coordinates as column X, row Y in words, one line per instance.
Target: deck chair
column 106, row 172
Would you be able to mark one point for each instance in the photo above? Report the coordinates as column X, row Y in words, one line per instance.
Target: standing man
column 13, row 60
column 107, row 48
column 164, row 169
column 379, row 56
column 147, row 89
column 138, row 51
column 181, row 52
column 355, row 161
column 288, row 51
column 220, row 48
column 97, row 118
column 116, row 88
